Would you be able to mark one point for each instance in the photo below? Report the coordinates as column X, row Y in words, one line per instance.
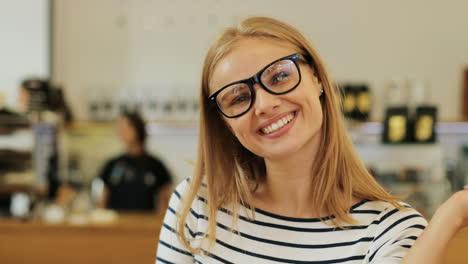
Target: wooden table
column 131, row 239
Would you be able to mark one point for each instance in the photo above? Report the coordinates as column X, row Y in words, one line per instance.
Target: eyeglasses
column 279, row 77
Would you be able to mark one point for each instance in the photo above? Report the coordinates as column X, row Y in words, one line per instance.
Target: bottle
column 424, row 124
column 396, row 120
column 93, row 106
column 363, row 103
column 423, row 114
column 349, row 101
column 396, row 125
column 416, row 95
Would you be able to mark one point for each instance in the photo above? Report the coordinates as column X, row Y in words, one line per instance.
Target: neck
column 288, row 186
column 136, row 149
column 287, row 189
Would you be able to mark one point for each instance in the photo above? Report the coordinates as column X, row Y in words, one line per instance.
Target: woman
column 135, row 180
column 277, row 180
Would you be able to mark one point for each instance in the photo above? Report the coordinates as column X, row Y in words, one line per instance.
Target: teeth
column 278, row 124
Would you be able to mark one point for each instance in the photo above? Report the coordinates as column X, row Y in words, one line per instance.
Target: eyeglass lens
column 277, row 78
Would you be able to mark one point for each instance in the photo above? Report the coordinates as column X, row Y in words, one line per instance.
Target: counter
column 131, row 239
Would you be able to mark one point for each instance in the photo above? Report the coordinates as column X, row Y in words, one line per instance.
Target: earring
column 321, row 91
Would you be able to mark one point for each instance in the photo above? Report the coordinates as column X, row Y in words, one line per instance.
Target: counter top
column 131, row 239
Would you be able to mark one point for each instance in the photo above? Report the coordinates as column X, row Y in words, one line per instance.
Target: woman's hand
column 431, row 247
column 454, row 211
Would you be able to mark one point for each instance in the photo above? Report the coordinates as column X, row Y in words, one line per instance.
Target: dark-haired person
column 135, row 180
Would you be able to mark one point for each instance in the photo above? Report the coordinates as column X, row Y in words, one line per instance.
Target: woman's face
column 127, row 132
column 260, row 129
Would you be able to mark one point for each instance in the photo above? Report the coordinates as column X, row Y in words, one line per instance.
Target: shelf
column 190, row 128
column 10, row 155
column 442, row 128
column 172, row 128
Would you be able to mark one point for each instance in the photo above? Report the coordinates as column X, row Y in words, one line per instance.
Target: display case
column 423, row 175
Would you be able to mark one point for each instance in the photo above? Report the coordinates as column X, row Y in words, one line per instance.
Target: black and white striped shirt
column 383, row 235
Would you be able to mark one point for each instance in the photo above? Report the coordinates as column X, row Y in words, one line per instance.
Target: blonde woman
column 277, row 179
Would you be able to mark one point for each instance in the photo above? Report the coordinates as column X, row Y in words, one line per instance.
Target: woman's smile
column 278, row 126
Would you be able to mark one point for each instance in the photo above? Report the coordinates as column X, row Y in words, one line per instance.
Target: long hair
column 339, row 174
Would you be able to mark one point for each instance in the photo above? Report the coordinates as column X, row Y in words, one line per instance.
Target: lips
column 278, row 124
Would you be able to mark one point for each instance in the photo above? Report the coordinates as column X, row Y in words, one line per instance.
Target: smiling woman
column 277, row 179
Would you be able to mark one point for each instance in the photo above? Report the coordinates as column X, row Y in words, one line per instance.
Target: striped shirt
column 382, row 235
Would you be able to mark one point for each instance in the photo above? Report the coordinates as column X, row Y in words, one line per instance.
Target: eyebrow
column 301, row 58
column 237, row 86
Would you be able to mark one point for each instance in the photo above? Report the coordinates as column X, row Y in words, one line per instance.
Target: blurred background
column 71, row 68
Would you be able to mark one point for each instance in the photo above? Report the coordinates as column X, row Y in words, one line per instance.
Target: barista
column 135, row 180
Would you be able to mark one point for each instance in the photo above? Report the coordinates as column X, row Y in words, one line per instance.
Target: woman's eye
column 279, row 77
column 240, row 99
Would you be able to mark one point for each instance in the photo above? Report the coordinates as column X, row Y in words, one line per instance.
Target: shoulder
column 118, row 158
column 181, row 192
column 183, row 188
column 114, row 160
column 382, row 210
column 151, row 157
column 389, row 221
column 154, row 159
column 393, row 230
column 196, row 212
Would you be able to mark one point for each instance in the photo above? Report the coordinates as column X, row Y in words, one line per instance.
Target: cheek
column 123, row 134
column 130, row 134
column 312, row 106
column 126, row 133
column 240, row 127
column 237, row 128
column 317, row 113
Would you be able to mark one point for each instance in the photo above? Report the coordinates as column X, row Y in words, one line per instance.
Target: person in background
column 135, row 180
column 277, row 179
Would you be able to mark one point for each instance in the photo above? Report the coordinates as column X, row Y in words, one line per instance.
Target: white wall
column 109, row 45
column 24, row 43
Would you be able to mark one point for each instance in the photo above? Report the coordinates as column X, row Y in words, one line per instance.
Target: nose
column 265, row 102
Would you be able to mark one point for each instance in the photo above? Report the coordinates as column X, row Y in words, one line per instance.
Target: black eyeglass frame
column 295, row 58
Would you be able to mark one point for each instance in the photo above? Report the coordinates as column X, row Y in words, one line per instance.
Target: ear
column 320, row 86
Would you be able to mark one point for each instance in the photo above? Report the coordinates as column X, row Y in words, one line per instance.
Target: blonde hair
column 339, row 173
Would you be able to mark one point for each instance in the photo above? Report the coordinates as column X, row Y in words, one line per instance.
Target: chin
column 279, row 152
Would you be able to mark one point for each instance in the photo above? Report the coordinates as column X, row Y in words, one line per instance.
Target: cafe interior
column 71, row 69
